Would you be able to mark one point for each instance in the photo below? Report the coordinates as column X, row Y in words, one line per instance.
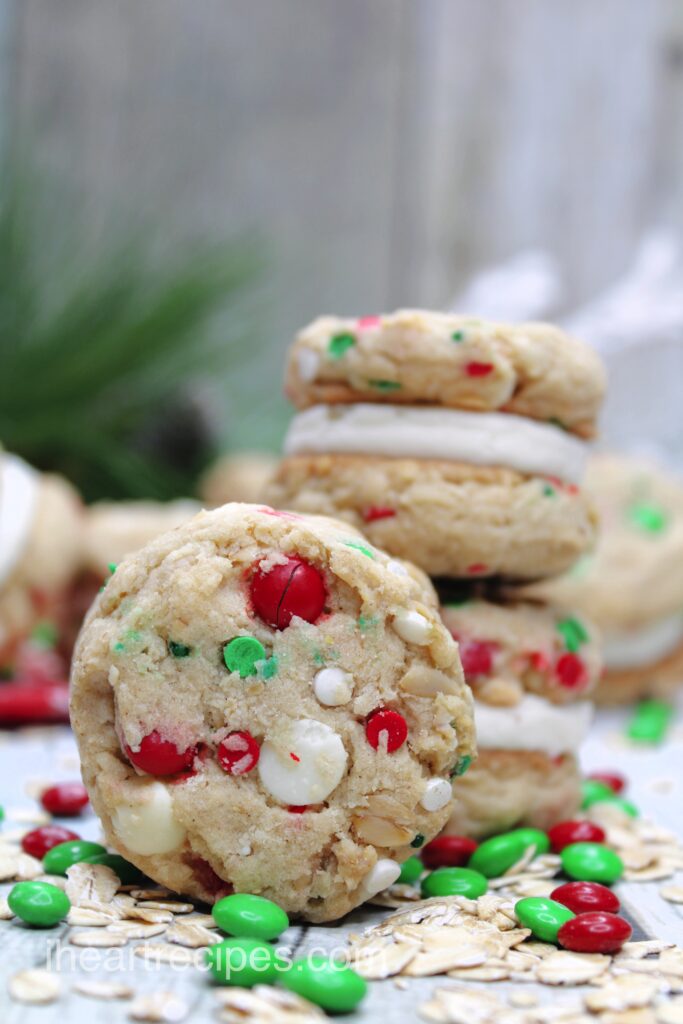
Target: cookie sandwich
column 456, row 443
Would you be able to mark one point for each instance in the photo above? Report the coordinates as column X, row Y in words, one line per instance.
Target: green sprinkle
column 458, row 335
column 112, row 567
column 179, row 650
column 318, row 658
column 364, row 624
column 269, row 668
column 557, row 423
column 460, row 766
column 357, row 546
column 650, row 722
column 418, row 841
column 130, row 637
column 385, row 385
column 649, row 518
column 45, row 635
column 573, row 634
column 339, row 344
column 242, row 653
column 548, row 491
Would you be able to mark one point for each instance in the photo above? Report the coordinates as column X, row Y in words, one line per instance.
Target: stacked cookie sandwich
column 460, row 444
column 631, row 585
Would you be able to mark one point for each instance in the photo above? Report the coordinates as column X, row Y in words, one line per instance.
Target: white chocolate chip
column 397, row 568
column 148, row 826
column 333, row 687
column 308, row 362
column 381, row 876
column 413, row 627
column 304, row 766
column 437, row 794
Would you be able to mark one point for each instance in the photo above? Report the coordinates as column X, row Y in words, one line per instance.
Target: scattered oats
column 173, row 908
column 84, row 917
column 564, row 968
column 663, row 869
column 637, row 1016
column 383, row 960
column 663, row 785
column 461, row 1006
column 29, row 816
column 136, row 930
column 150, row 894
column 165, row 953
column 35, row 787
column 670, row 1012
column 522, row 999
column 149, row 916
column 625, row 992
column 8, row 866
column 124, row 902
column 91, row 885
column 206, row 920
column 5, row 912
column 672, row 893
column 492, row 970
column 102, row 989
column 34, row 985
column 535, row 887
column 401, row 984
column 159, row 1006
column 187, row 933
column 638, row 857
column 266, row 1005
column 642, row 948
column 58, row 880
column 671, row 962
column 28, row 868
column 97, row 937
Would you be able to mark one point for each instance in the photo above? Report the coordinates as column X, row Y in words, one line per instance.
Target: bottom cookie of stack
column 531, row 669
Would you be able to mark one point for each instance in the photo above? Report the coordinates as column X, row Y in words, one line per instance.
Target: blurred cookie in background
column 113, row 530
column 240, row 477
column 41, row 524
column 631, row 584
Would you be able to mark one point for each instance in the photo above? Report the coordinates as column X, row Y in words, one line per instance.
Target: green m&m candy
column 250, row 916
column 241, row 655
column 332, row 985
column 245, row 962
column 126, row 872
column 593, row 790
column 39, row 903
column 411, row 870
column 496, row 855
column 591, row 862
column 454, row 882
column 543, row 916
column 63, row 855
column 650, row 722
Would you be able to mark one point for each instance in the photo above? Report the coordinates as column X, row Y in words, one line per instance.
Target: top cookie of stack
column 456, row 443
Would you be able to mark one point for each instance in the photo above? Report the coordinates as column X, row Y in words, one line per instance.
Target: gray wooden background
column 385, row 148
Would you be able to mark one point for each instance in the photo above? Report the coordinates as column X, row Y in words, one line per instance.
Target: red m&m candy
column 476, row 657
column 567, row 832
column 582, row 897
column 595, row 933
column 391, row 724
column 571, row 671
column 40, row 840
column 66, row 799
column 448, row 852
column 158, row 756
column 291, row 588
column 614, row 780
column 238, row 753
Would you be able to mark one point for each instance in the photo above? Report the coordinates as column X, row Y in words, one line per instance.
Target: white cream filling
column 19, row 485
column 533, row 724
column 428, row 432
column 643, row 646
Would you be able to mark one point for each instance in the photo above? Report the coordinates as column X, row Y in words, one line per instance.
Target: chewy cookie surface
column 417, row 356
column 265, row 703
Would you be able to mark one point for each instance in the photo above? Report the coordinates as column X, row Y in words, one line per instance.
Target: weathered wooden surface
column 24, row 757
column 385, row 149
